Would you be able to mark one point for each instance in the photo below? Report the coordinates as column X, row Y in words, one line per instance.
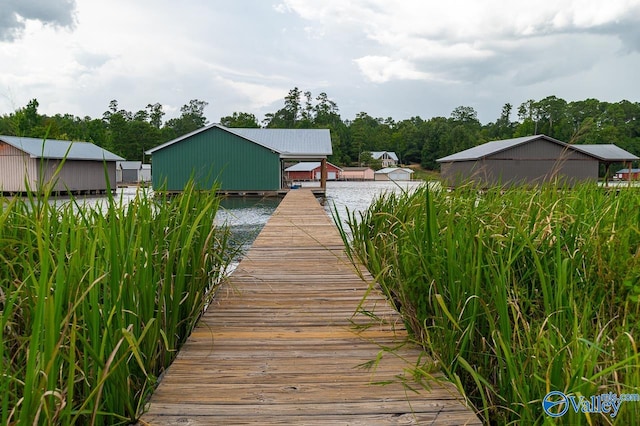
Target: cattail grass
column 515, row 292
column 95, row 301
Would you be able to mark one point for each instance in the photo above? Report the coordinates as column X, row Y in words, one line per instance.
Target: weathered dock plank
column 290, row 340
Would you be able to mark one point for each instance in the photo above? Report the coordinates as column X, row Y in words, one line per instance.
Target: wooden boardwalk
column 282, row 342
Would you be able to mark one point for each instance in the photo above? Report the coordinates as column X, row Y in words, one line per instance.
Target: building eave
column 477, row 153
column 204, row 129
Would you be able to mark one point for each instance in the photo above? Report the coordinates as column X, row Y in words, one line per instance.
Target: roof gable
column 129, row 165
column 388, row 170
column 289, row 143
column 491, row 148
column 376, row 155
column 58, row 149
column 601, row 152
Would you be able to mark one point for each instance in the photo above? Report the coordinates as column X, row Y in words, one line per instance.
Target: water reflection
column 245, row 217
column 358, row 196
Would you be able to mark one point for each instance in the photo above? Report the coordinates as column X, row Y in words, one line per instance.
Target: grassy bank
column 95, row 302
column 516, row 293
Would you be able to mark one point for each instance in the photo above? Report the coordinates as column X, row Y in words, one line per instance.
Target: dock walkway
column 282, row 342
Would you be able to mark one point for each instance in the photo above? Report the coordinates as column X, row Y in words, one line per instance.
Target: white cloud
column 380, row 69
column 405, row 58
column 258, row 95
column 412, row 31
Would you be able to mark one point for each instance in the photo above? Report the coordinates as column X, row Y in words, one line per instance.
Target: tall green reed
column 96, row 301
column 515, row 292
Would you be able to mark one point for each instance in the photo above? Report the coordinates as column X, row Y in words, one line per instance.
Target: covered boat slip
column 245, row 162
column 62, row 167
column 288, row 339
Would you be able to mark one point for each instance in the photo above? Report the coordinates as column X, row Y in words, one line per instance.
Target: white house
column 388, row 159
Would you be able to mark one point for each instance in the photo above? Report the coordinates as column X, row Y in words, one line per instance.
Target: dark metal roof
column 602, row 152
column 56, row 149
column 289, row 143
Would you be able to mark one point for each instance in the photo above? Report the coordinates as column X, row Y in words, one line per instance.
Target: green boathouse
column 240, row 160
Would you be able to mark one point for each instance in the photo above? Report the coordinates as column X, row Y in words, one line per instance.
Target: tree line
column 119, row 131
column 415, row 140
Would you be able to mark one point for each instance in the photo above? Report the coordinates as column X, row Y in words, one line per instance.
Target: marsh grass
column 515, row 292
column 96, row 301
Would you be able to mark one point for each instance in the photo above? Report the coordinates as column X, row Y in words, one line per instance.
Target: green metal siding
column 236, row 163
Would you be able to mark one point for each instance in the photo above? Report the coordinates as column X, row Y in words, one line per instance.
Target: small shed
column 239, row 160
column 145, row 173
column 627, row 174
column 128, row 171
column 529, row 160
column 312, row 171
column 388, row 159
column 27, row 164
column 132, row 172
column 393, row 173
column 357, row 173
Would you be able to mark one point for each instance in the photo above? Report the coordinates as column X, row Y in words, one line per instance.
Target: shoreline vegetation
column 515, row 292
column 95, row 301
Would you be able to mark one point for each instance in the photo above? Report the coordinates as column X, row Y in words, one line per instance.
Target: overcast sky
column 394, row 59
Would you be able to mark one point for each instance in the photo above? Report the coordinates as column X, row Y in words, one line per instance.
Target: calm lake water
column 247, row 216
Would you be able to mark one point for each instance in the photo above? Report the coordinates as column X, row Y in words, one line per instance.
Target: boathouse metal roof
column 289, row 143
column 602, row 152
column 490, row 148
column 606, row 152
column 59, row 149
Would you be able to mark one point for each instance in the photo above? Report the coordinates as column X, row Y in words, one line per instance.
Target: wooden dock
column 287, row 341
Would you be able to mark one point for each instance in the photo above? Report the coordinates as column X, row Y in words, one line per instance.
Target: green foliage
column 96, row 301
column 515, row 292
column 191, row 118
column 366, row 159
column 242, row 120
column 414, row 140
column 288, row 117
column 120, row 131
